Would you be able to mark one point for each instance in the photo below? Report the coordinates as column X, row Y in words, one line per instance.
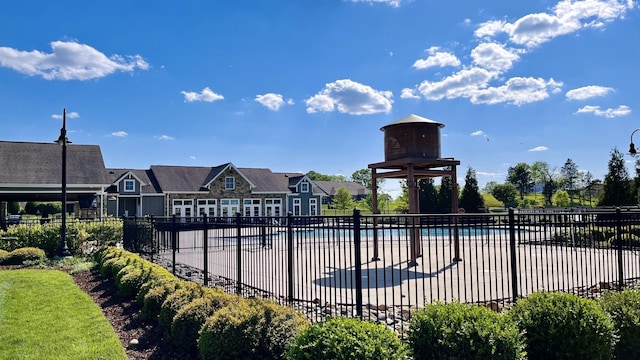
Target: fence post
column 238, row 254
column 205, row 250
column 512, row 250
column 357, row 261
column 174, row 243
column 619, row 248
column 290, row 256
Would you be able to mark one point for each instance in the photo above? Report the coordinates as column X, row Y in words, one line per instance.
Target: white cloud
column 192, row 157
column 205, row 95
column 460, row 84
column 477, row 133
column 539, row 148
column 494, row 57
column 567, row 17
column 165, row 137
column 394, row 3
column 70, row 115
column 272, row 101
column 69, row 60
column 436, row 58
column 409, row 94
column 119, row 134
column 588, row 92
column 515, row 91
column 350, row 97
column 488, row 174
column 621, row 110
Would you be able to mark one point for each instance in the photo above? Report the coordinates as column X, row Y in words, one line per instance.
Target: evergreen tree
column 470, row 199
column 427, row 196
column 343, row 200
column 13, row 207
column 444, row 195
column 617, row 185
column 520, row 176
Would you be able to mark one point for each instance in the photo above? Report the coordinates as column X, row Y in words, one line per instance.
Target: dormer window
column 229, row 183
column 129, row 185
column 304, row 187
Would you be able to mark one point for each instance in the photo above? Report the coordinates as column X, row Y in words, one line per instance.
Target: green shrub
column 280, row 328
column 346, row 338
column 627, row 239
column 175, row 301
column 155, row 297
column 19, row 256
column 189, row 319
column 455, row 330
column 4, row 255
column 131, row 277
column 563, row 326
column 157, row 276
column 624, row 309
column 111, row 267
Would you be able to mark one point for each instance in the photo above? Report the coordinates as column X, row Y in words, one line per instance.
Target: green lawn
column 44, row 315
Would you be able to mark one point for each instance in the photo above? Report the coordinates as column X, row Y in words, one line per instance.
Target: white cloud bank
column 69, row 60
column 70, row 115
column 349, row 97
column 119, row 134
column 394, row 3
column 621, row 110
column 273, row 101
column 588, row 92
column 165, row 137
column 539, row 148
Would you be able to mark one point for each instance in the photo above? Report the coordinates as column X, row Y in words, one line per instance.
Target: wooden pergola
column 412, row 170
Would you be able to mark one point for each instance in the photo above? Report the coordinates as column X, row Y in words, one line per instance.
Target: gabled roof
column 221, row 169
column 331, row 187
column 149, row 185
column 267, row 181
column 181, row 178
column 29, row 163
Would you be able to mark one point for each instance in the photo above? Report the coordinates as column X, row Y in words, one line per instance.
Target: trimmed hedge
column 624, row 309
column 250, row 329
column 449, row 331
column 563, row 326
column 347, row 338
column 4, row 255
column 155, row 297
column 188, row 292
column 19, row 256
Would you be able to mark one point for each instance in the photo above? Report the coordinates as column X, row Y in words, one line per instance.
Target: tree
column 427, row 196
column 561, row 199
column 520, row 176
column 384, row 201
column 617, row 185
column 506, row 193
column 570, row 173
column 343, row 200
column 444, row 195
column 402, row 202
column 13, row 207
column 316, row 176
column 488, row 187
column 470, row 199
column 362, row 177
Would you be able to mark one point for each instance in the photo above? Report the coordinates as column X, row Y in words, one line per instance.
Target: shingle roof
column 331, row 187
column 267, row 181
column 146, row 176
column 182, row 178
column 41, row 163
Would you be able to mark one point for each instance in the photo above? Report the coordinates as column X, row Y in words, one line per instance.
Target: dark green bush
column 346, row 338
column 280, row 327
column 627, row 239
column 131, row 277
column 624, row 309
column 152, row 303
column 157, row 276
column 188, row 292
column 190, row 318
column 563, row 326
column 111, row 267
column 19, row 256
column 463, row 331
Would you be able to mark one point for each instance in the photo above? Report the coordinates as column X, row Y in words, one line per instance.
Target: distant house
column 219, row 191
column 330, row 189
column 32, row 172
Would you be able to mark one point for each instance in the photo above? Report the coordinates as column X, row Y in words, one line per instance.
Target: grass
column 44, row 315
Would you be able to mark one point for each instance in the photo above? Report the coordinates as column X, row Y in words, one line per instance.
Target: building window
column 313, row 207
column 229, row 183
column 207, row 207
column 129, row 185
column 304, row 187
column 297, row 207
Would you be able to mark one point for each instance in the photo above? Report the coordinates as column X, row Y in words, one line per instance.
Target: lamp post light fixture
column 632, row 147
column 63, row 140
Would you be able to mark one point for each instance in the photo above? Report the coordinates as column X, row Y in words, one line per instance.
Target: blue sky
column 302, row 85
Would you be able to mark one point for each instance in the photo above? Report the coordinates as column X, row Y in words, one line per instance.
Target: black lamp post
column 62, row 140
column 632, row 147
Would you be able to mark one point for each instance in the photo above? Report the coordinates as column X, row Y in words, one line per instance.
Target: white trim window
column 229, row 183
column 207, row 207
column 304, row 187
column 229, row 207
column 313, row 207
column 129, row 185
column 183, row 208
column 297, row 207
column 273, row 207
column 251, row 207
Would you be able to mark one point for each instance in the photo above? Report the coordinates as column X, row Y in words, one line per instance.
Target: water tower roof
column 413, row 119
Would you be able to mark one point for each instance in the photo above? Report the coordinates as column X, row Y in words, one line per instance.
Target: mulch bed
column 124, row 316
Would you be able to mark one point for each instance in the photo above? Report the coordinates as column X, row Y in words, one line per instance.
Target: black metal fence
column 381, row 267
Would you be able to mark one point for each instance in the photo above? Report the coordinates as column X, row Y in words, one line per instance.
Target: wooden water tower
column 412, row 152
